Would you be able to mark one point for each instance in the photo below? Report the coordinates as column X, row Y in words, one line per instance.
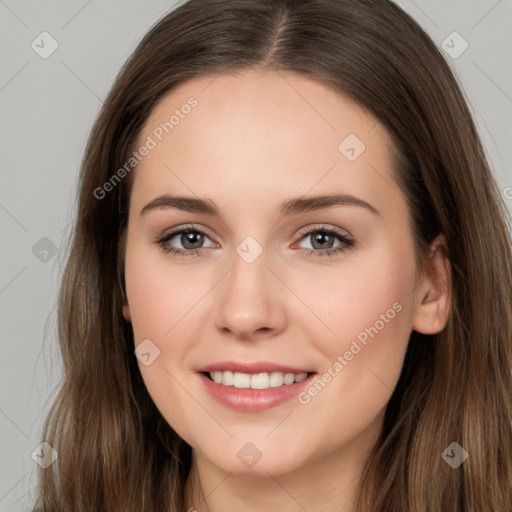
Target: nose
column 250, row 300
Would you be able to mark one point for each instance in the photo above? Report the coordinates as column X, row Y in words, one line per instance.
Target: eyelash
column 348, row 243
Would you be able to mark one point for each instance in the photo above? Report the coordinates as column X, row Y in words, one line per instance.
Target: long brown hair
column 115, row 450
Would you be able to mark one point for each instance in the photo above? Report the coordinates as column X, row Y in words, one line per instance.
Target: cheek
column 367, row 312
column 163, row 301
column 363, row 290
column 160, row 294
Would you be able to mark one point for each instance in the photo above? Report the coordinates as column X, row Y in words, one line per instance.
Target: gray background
column 47, row 107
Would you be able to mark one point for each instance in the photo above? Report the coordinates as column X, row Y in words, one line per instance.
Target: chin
column 258, row 458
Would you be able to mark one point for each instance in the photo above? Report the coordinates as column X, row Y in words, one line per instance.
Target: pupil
column 322, row 238
column 193, row 238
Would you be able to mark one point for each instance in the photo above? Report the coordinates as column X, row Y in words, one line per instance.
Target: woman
column 212, row 360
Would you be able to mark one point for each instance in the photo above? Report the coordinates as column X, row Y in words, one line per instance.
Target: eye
column 191, row 240
column 323, row 241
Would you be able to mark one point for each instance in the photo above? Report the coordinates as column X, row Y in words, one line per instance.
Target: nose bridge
column 248, row 301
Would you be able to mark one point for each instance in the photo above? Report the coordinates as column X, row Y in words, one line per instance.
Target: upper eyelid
column 180, row 229
column 322, row 227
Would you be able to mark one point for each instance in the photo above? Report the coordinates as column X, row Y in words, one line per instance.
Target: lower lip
column 253, row 400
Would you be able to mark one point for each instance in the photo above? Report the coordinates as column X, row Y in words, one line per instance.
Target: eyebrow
column 292, row 206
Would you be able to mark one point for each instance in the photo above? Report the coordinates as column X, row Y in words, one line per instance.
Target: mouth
column 261, row 380
column 254, row 387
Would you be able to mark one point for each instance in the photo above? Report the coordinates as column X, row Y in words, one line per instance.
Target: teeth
column 256, row 380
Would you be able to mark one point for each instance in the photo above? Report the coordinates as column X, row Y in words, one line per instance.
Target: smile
column 253, row 387
column 262, row 380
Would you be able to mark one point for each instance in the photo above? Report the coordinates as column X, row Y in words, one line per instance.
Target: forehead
column 272, row 133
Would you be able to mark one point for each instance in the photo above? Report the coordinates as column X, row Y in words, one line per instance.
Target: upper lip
column 251, row 368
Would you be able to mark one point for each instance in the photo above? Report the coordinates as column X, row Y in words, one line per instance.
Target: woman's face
column 298, row 260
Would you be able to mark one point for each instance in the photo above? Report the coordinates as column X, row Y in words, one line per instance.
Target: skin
column 255, row 140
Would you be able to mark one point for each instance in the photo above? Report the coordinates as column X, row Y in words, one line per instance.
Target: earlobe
column 126, row 312
column 433, row 295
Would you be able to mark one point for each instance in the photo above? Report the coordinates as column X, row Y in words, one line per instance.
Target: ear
column 433, row 295
column 126, row 312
